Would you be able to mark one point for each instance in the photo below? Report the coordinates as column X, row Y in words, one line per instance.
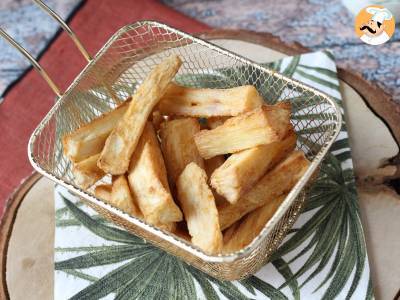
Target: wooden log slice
column 27, row 241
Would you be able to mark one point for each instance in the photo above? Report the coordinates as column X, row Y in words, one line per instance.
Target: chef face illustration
column 374, row 31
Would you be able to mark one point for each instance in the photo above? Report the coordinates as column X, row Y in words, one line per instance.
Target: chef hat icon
column 379, row 14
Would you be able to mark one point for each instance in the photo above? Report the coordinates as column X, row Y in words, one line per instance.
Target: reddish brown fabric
column 28, row 102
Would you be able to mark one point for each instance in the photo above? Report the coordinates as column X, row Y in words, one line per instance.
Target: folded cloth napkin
column 324, row 256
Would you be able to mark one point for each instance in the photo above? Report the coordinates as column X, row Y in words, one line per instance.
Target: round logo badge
column 375, row 25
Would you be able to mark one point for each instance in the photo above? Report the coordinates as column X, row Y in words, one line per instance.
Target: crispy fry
column 278, row 181
column 89, row 139
column 103, row 191
column 214, row 122
column 122, row 141
column 250, row 226
column 178, row 145
column 264, row 125
column 148, row 181
column 86, row 172
column 122, row 198
column 179, row 100
column 198, row 205
column 243, row 169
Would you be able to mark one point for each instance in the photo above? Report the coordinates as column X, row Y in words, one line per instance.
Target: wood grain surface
column 7, row 223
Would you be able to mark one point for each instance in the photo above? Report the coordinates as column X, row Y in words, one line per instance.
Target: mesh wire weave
column 113, row 75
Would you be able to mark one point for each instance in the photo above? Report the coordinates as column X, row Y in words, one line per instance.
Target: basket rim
column 176, row 241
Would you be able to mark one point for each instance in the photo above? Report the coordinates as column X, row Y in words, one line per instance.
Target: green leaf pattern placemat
column 323, row 257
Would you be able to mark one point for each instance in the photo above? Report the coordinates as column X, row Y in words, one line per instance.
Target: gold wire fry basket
column 113, row 74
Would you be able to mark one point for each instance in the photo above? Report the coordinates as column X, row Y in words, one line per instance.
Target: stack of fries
column 171, row 172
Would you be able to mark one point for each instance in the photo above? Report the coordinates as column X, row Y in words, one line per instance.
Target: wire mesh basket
column 113, row 75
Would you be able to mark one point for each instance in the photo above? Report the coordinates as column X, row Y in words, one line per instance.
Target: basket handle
column 33, row 61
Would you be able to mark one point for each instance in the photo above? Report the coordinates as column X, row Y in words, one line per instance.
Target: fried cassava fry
column 178, row 147
column 250, row 226
column 194, row 102
column 86, row 172
column 278, row 181
column 89, row 139
column 261, row 126
column 122, row 141
column 243, row 169
column 199, row 209
column 148, row 181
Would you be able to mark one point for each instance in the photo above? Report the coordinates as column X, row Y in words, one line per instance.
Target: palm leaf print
column 142, row 276
column 333, row 226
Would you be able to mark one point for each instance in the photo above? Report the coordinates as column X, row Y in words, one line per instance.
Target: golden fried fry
column 264, row 125
column 121, row 197
column 278, row 181
column 148, row 181
column 103, row 191
column 198, row 205
column 86, row 172
column 250, row 226
column 178, row 145
column 243, row 169
column 184, row 101
column 122, row 141
column 89, row 139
